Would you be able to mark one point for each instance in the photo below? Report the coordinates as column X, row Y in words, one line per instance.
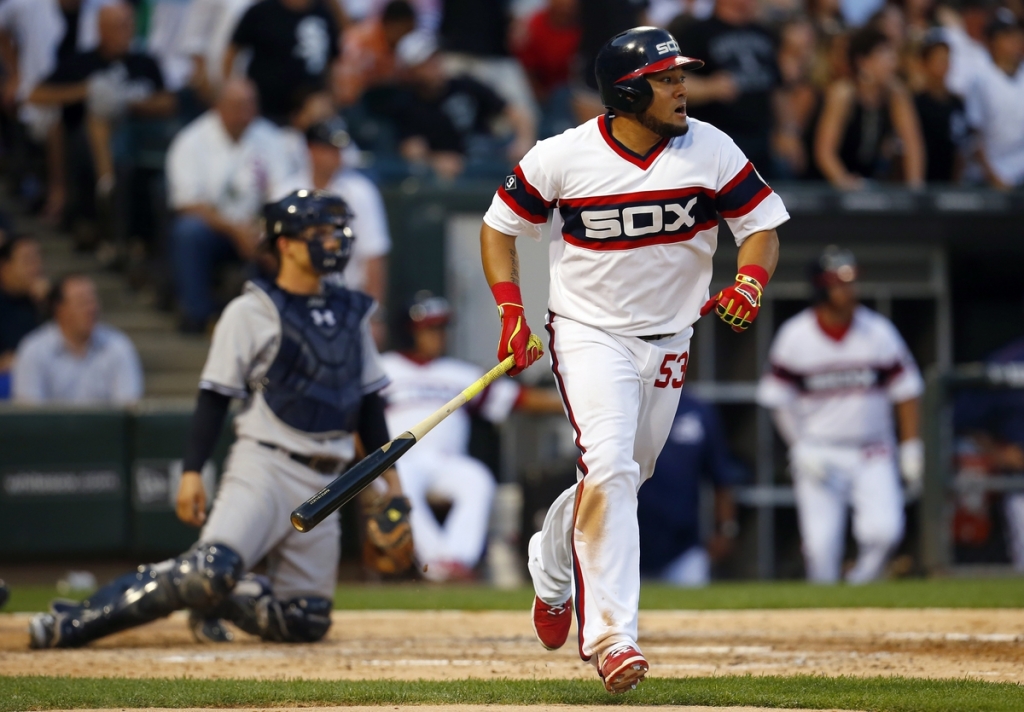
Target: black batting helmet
column 836, row 265
column 623, row 63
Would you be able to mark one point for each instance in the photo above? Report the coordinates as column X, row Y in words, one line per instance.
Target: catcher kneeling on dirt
column 299, row 353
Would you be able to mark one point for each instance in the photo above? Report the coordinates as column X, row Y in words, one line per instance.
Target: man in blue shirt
column 75, row 359
column 994, row 419
column 669, row 503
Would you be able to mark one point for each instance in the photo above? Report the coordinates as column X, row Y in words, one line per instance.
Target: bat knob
column 300, row 522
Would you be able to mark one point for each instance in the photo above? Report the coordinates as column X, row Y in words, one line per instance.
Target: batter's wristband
column 755, row 272
column 507, row 294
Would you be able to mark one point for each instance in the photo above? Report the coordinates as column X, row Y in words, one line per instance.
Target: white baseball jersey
column 418, row 389
column 840, row 391
column 245, row 343
column 639, row 231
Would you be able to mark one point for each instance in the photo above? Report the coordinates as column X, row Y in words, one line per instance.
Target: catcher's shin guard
column 253, row 608
column 201, row 578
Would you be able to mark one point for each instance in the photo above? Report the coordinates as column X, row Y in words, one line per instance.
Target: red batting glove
column 515, row 334
column 739, row 304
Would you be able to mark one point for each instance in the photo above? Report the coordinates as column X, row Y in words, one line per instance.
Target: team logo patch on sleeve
column 510, row 182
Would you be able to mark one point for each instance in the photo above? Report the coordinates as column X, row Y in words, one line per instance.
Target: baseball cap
column 1002, row 21
column 428, row 309
column 332, row 132
column 416, row 48
column 935, row 37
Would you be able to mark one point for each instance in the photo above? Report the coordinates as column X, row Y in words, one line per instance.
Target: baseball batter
column 300, row 355
column 837, row 368
column 637, row 194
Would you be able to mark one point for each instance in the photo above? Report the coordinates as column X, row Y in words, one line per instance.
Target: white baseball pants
column 468, row 484
column 252, row 515
column 827, row 480
column 620, row 395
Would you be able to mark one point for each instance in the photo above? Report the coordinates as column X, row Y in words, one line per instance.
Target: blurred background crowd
column 154, row 130
column 150, row 133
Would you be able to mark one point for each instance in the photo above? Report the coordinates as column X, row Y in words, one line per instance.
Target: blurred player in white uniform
column 638, row 194
column 837, row 369
column 422, row 379
column 299, row 353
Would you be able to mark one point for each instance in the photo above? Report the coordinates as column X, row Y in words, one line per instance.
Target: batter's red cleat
column 623, row 668
column 551, row 623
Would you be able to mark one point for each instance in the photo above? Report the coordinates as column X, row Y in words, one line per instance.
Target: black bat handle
column 350, row 483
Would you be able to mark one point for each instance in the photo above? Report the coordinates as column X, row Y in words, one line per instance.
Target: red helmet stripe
column 661, row 65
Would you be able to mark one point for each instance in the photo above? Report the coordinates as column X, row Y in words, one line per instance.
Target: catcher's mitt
column 388, row 544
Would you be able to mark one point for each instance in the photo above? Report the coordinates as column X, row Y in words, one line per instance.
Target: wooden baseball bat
column 351, row 482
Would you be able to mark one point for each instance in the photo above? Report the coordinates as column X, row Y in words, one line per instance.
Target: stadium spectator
column 943, row 117
column 475, row 37
column 166, row 40
column 23, row 289
column 221, row 169
column 995, row 103
column 662, row 12
column 438, row 117
column 857, row 13
column 735, row 89
column 94, row 90
column 965, row 32
column 74, row 358
column 326, row 170
column 368, row 51
column 668, row 506
column 993, row 420
column 546, row 50
column 293, row 44
column 861, row 115
column 797, row 99
column 208, row 29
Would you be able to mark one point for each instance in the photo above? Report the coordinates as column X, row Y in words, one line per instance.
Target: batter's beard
column 662, row 128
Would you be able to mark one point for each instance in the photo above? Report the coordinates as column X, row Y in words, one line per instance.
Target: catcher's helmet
column 623, row 63
column 836, row 265
column 301, row 209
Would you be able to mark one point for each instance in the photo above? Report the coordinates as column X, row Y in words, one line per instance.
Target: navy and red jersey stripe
column 631, row 220
column 523, row 199
column 851, row 378
column 604, row 124
column 742, row 194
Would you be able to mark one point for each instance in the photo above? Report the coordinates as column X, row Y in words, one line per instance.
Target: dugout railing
column 955, row 482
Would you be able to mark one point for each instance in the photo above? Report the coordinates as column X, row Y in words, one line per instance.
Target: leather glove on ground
column 388, row 546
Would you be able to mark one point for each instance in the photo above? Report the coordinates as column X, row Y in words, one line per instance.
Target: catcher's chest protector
column 314, row 383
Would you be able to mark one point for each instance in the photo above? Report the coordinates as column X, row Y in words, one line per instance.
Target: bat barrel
column 349, row 484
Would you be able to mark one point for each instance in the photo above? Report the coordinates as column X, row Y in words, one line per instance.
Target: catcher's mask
column 293, row 215
column 835, row 266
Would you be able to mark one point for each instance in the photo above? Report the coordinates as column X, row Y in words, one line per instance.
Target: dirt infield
column 479, row 708
column 933, row 643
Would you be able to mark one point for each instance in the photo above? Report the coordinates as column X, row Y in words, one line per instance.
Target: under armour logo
column 323, row 318
column 510, row 182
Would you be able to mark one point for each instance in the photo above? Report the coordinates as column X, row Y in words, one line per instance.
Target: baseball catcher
column 298, row 352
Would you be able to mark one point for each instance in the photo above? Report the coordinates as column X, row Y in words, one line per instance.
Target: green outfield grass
column 891, row 693
column 906, row 593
